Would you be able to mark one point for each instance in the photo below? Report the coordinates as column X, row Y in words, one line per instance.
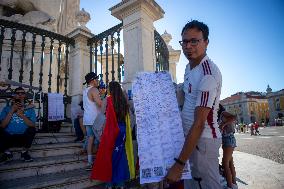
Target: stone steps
column 40, row 135
column 46, row 150
column 40, row 166
column 65, row 127
column 51, row 138
column 57, row 164
column 72, row 179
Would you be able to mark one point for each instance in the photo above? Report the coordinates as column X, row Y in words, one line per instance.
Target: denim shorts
column 229, row 140
column 94, row 132
column 89, row 130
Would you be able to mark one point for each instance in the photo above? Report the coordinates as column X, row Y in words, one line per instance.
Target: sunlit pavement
column 254, row 171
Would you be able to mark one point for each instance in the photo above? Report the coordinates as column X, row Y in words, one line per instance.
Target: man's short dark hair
column 198, row 25
column 19, row 89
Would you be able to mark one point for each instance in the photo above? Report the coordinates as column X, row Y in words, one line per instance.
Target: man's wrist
column 178, row 161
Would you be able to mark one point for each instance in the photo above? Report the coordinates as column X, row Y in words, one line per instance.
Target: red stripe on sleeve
column 201, row 103
column 208, row 66
column 203, row 69
column 206, row 99
column 210, row 123
column 205, row 66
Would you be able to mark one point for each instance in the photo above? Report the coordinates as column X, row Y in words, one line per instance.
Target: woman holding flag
column 114, row 163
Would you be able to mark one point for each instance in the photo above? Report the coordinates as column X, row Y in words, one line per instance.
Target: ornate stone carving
column 83, row 17
column 24, row 11
column 67, row 19
column 167, row 38
column 55, row 15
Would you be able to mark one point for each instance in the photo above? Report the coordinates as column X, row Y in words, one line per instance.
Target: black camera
column 18, row 101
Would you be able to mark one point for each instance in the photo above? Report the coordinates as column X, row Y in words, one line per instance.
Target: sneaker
column 5, row 157
column 89, row 167
column 26, row 156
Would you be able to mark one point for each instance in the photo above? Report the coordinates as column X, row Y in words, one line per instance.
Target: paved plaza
column 259, row 159
column 270, row 144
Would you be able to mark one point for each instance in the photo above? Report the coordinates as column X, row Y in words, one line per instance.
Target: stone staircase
column 57, row 164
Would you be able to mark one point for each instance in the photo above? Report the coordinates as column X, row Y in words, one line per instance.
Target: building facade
column 276, row 106
column 248, row 107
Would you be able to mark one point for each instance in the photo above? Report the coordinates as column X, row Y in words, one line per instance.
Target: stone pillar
column 79, row 63
column 138, row 35
column 174, row 55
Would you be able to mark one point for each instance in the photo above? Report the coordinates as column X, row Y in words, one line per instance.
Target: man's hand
column 20, row 112
column 174, row 173
column 15, row 107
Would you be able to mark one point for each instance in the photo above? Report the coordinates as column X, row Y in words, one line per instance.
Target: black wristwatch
column 179, row 161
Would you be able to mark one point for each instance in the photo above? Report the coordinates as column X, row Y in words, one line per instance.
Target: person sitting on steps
column 17, row 127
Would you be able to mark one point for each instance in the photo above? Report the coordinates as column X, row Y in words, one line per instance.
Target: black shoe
column 26, row 156
column 6, row 157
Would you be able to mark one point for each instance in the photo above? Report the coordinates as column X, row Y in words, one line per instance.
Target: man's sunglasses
column 20, row 93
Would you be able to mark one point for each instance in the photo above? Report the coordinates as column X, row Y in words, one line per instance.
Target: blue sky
column 246, row 37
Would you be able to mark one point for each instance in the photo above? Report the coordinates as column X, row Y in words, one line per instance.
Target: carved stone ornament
column 83, row 17
column 25, row 12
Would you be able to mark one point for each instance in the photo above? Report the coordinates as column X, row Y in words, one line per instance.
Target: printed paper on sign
column 159, row 129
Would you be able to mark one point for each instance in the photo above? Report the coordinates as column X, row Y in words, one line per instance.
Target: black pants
column 78, row 131
column 18, row 140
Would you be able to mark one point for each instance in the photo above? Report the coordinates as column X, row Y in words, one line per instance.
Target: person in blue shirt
column 17, row 127
column 102, row 90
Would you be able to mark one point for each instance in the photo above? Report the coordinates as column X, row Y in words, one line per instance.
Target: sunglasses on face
column 20, row 93
column 192, row 42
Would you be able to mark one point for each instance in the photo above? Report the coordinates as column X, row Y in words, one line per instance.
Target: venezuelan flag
column 114, row 160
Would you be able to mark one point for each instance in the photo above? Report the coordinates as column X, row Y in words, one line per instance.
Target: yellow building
column 248, row 107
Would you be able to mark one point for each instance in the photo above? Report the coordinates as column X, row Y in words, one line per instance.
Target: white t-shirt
column 202, row 87
column 90, row 108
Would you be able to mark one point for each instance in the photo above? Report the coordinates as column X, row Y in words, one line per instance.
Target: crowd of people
column 203, row 134
column 105, row 126
column 102, row 123
column 253, row 128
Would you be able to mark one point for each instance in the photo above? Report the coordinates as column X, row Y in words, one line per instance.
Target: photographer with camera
column 17, row 127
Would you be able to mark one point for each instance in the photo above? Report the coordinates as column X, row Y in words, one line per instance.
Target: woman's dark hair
column 119, row 100
column 198, row 25
column 220, row 110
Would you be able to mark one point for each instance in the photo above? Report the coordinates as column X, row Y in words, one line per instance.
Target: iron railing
column 24, row 53
column 105, row 50
column 162, row 53
column 101, row 53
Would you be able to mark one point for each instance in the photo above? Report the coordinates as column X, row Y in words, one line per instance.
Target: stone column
column 79, row 63
column 138, row 35
column 174, row 55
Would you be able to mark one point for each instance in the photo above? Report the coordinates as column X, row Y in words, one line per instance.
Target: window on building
column 277, row 104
